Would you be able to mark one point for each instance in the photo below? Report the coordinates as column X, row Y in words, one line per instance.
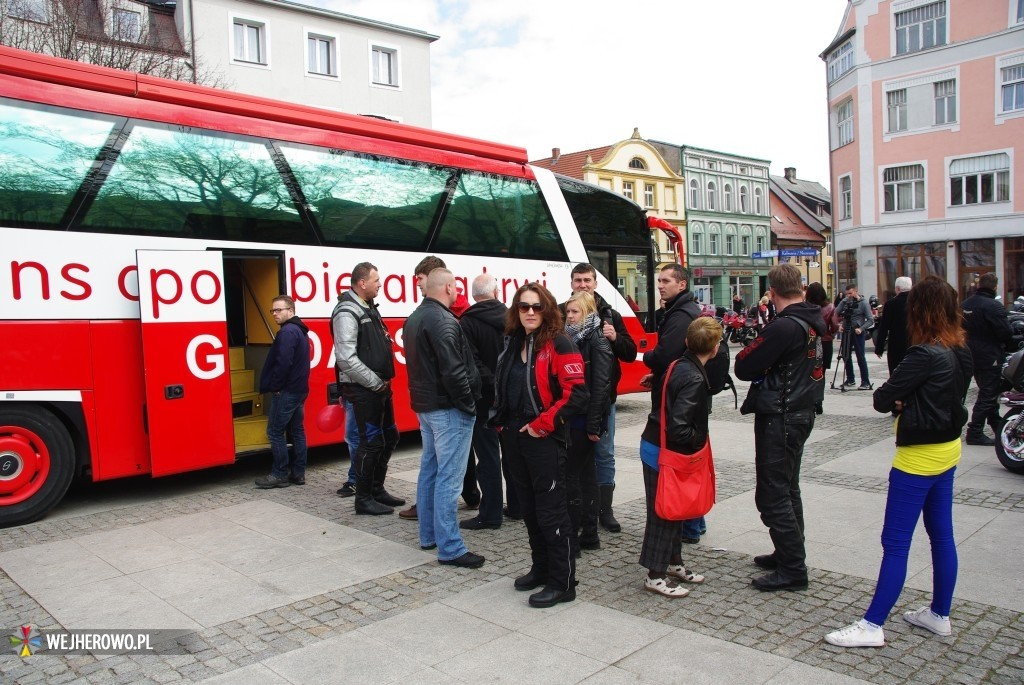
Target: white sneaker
column 859, row 634
column 682, row 573
column 663, row 586
column 929, row 620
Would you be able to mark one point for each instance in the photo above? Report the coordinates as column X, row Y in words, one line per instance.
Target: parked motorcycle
column 741, row 329
column 1010, row 438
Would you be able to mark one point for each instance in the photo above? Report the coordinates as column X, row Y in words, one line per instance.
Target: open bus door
column 185, row 358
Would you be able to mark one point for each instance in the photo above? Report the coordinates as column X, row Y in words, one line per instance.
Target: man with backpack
column 785, row 366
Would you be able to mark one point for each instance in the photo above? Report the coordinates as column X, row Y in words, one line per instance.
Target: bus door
column 185, row 359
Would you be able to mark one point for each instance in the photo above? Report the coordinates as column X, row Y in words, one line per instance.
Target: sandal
column 679, row 571
column 662, row 586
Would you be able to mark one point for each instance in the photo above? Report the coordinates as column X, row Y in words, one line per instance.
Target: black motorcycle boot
column 607, row 517
column 976, row 435
column 364, row 501
column 589, row 539
column 379, row 493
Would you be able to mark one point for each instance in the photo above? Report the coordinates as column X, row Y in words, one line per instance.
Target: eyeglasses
column 279, row 310
column 537, row 307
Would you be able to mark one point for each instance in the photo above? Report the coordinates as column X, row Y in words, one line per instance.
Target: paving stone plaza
column 289, row 586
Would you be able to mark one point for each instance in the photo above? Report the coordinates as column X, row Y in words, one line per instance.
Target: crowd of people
column 526, row 393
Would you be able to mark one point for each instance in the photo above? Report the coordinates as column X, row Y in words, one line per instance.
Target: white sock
column 869, row 626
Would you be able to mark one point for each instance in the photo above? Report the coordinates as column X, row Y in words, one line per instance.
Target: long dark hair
column 816, row 294
column 934, row 314
column 551, row 318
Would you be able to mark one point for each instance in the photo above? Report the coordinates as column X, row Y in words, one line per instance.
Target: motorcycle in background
column 1010, row 438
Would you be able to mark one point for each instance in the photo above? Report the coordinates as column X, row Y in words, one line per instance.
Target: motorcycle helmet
column 873, row 301
column 1018, row 304
column 1013, row 370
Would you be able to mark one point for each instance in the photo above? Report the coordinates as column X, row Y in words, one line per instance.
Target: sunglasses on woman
column 537, row 307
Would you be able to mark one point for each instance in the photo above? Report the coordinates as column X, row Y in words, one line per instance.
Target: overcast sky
column 739, row 76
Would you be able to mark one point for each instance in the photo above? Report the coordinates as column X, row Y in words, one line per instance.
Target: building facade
column 728, row 221
column 271, row 48
column 926, row 103
column 318, row 57
column 801, row 226
column 635, row 169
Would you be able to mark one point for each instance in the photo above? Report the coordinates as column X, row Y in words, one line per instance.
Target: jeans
column 604, row 458
column 857, row 343
column 488, row 470
column 351, row 439
column 909, row 497
column 694, row 528
column 286, row 415
column 446, row 437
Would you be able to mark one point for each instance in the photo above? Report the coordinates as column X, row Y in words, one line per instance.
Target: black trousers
column 580, row 478
column 986, row 407
column 537, row 469
column 375, row 419
column 486, row 452
column 662, row 538
column 778, row 449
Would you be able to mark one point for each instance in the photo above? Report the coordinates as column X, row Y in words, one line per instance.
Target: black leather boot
column 365, row 503
column 976, row 435
column 379, row 493
column 607, row 518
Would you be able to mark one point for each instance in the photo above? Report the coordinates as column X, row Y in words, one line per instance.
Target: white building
column 318, row 57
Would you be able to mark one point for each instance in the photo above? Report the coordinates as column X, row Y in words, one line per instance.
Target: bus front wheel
column 37, row 463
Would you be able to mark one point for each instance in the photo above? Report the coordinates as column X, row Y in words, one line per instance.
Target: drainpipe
column 192, row 40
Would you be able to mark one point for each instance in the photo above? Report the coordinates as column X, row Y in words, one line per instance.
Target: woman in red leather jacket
column 539, row 385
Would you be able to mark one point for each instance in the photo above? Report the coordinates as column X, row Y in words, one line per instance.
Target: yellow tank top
column 926, row 460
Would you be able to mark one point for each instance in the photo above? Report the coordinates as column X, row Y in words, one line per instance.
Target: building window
column 840, row 61
column 1013, row 88
column 945, row 102
column 696, row 247
column 758, row 201
column 385, row 66
column 981, row 179
column 745, row 245
column 694, row 195
column 712, row 195
column 1020, row 11
column 916, row 260
column 904, row 188
column 727, row 197
column 712, row 165
column 744, row 201
column 637, row 163
column 33, row 10
column 730, row 244
column 921, row 28
column 127, row 25
column 249, row 42
column 649, row 195
column 846, row 197
column 897, row 101
column 627, row 189
column 846, row 268
column 713, row 243
column 844, row 117
column 321, row 54
column 760, row 243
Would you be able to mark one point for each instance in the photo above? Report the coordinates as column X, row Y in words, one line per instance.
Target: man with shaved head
column 444, row 387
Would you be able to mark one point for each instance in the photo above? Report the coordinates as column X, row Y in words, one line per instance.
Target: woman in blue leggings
column 927, row 392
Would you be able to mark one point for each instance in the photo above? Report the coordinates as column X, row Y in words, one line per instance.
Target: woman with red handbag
column 684, row 429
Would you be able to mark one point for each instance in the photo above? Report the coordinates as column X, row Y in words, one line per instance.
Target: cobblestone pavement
column 985, row 646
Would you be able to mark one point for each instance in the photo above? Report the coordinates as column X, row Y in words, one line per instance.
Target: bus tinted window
column 367, row 200
column 603, row 217
column 169, row 181
column 45, row 155
column 495, row 215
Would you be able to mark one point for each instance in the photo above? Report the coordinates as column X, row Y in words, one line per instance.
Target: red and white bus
column 146, row 225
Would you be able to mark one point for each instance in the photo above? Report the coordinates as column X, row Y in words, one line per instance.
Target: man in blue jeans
column 352, row 442
column 854, row 315
column 286, row 377
column 444, row 387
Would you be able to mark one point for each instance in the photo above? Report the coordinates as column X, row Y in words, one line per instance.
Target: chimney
column 791, row 174
column 555, row 154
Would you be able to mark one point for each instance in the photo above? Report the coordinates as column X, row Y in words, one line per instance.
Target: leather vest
column 795, row 383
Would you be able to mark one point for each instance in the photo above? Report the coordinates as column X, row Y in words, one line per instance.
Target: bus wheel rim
column 24, row 464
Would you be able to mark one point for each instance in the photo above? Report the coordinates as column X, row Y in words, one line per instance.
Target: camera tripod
column 846, row 352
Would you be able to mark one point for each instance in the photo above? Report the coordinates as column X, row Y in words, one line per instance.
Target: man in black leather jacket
column 988, row 331
column 784, row 364
column 444, row 386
